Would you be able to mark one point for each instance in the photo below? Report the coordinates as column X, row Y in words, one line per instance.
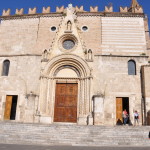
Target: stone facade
column 92, row 49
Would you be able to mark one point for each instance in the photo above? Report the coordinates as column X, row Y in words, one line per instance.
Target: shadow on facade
column 148, row 117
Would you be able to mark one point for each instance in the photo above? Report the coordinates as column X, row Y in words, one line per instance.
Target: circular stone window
column 53, row 28
column 68, row 44
column 84, row 28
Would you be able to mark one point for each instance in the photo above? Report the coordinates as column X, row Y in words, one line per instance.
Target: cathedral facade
column 74, row 66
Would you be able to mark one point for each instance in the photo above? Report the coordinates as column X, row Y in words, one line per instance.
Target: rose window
column 68, row 44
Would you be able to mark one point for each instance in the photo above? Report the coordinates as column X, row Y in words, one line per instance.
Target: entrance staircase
column 68, row 134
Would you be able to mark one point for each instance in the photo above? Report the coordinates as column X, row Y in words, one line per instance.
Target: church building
column 75, row 66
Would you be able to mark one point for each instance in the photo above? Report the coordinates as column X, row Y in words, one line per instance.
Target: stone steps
column 19, row 133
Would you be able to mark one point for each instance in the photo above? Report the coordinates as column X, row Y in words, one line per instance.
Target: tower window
column 131, row 67
column 6, row 65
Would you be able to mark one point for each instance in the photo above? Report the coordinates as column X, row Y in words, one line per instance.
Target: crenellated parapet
column 79, row 9
column 19, row 11
column 108, row 8
column 6, row 12
column 123, row 9
column 94, row 9
column 134, row 9
column 60, row 9
column 32, row 10
column 46, row 10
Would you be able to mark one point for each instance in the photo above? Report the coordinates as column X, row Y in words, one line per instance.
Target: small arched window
column 131, row 67
column 6, row 65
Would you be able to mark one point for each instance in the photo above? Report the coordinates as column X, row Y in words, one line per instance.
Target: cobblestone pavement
column 32, row 147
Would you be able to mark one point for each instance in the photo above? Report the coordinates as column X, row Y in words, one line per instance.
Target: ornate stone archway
column 49, row 78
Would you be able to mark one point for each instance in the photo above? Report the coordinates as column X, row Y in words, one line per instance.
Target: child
column 136, row 118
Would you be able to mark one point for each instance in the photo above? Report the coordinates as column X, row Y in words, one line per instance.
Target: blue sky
column 13, row 4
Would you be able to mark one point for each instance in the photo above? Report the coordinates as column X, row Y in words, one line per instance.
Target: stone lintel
column 98, row 95
column 145, row 66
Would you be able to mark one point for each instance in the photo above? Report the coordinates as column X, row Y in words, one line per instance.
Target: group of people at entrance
column 125, row 116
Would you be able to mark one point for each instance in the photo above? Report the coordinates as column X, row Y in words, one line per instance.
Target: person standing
column 125, row 117
column 136, row 118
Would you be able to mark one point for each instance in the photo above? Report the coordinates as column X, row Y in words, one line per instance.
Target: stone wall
column 111, row 79
column 146, row 92
column 91, row 37
column 102, row 72
column 31, row 35
column 123, row 36
column 23, row 79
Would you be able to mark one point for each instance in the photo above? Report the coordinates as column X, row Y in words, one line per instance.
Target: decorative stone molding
column 65, row 58
column 32, row 10
column 6, row 12
column 94, row 9
column 46, row 10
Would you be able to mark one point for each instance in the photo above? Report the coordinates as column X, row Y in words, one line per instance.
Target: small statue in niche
column 69, row 25
column 85, row 52
column 45, row 54
column 89, row 54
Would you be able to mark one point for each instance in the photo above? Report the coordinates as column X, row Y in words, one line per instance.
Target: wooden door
column 8, row 105
column 66, row 102
column 119, row 109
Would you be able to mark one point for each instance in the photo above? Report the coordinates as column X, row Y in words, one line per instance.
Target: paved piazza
column 32, row 147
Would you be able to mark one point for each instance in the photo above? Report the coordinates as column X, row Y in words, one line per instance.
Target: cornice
column 111, row 14
column 27, row 16
column 142, row 56
column 20, row 55
column 102, row 14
